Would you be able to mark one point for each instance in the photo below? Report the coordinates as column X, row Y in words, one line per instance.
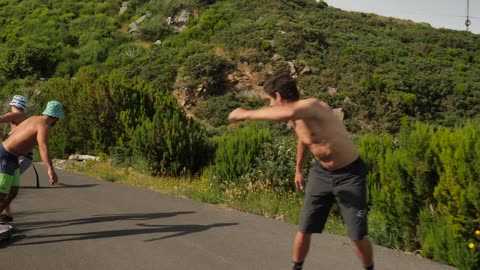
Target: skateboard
column 6, row 233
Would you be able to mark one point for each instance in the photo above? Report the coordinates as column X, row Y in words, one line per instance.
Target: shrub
column 439, row 242
column 172, row 142
column 236, row 152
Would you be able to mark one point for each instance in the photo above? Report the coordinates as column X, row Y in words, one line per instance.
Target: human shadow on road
column 98, row 219
column 4, row 243
column 36, row 213
column 60, row 185
column 183, row 229
column 177, row 230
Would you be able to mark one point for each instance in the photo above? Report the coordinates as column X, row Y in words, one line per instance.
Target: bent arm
column 42, row 141
column 7, row 118
column 302, row 152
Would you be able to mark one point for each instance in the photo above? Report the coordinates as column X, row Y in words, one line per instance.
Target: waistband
column 6, row 155
column 354, row 164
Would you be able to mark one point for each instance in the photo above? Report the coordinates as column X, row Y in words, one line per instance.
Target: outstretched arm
column 7, row 118
column 290, row 111
column 42, row 141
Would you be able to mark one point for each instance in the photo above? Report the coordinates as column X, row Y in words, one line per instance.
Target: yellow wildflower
column 477, row 232
column 471, row 245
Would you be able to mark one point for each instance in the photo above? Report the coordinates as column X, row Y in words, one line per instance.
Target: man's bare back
column 25, row 136
column 325, row 135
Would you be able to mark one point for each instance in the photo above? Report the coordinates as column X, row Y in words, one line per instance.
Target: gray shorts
column 348, row 187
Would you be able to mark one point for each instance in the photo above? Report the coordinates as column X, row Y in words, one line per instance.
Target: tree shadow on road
column 176, row 230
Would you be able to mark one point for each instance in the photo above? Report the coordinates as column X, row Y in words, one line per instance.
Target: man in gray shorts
column 338, row 173
column 347, row 186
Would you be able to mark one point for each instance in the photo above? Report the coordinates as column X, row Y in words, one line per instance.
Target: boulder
column 340, row 113
column 332, row 91
column 82, row 157
column 183, row 17
column 277, row 57
column 306, row 70
column 123, row 8
column 133, row 28
column 140, row 20
column 291, row 67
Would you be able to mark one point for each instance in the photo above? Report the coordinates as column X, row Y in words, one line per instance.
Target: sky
column 450, row 14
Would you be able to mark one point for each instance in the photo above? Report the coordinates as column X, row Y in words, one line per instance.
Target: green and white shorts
column 9, row 171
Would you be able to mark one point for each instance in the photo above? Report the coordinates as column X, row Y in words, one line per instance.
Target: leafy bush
column 172, row 142
column 421, row 170
column 215, row 109
column 27, row 59
column 275, row 165
column 204, row 68
column 439, row 242
column 237, row 151
column 101, row 110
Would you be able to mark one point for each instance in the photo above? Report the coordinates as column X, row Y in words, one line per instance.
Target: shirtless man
column 339, row 172
column 33, row 131
column 15, row 116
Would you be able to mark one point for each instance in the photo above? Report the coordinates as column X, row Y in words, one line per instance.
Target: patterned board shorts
column 9, row 171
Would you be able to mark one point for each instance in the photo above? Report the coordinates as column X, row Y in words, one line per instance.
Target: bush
column 215, row 109
column 275, row 165
column 172, row 142
column 439, row 242
column 458, row 165
column 100, row 110
column 420, row 170
column 27, row 59
column 204, row 68
column 237, row 151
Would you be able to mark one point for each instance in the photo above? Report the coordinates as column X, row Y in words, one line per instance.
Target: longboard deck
column 5, row 231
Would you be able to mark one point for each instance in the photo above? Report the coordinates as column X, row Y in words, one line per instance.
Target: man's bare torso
column 23, row 138
column 326, row 137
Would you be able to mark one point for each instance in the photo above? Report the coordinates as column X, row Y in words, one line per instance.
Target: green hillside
column 149, row 84
column 382, row 68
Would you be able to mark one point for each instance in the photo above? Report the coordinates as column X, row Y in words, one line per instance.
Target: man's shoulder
column 32, row 120
column 313, row 102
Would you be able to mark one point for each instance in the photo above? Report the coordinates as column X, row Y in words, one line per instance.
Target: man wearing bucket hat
column 32, row 131
column 15, row 116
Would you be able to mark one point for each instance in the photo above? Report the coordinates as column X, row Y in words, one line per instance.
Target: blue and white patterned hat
column 19, row 102
column 54, row 109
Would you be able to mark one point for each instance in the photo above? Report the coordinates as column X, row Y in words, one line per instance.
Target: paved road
column 92, row 224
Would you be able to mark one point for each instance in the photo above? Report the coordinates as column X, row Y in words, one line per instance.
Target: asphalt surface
column 85, row 223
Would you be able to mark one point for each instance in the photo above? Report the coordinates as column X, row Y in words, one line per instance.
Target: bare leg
column 3, row 201
column 301, row 246
column 363, row 250
column 11, row 195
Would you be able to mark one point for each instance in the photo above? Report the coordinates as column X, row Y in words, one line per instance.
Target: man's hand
column 53, row 177
column 237, row 114
column 299, row 181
